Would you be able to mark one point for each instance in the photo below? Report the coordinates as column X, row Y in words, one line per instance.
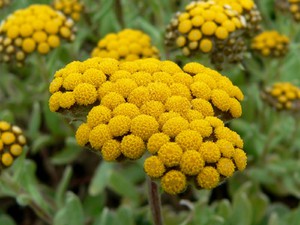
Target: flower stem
column 154, row 202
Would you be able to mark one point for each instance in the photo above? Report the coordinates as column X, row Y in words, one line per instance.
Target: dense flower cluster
column 249, row 11
column 150, row 104
column 127, row 45
column 71, row 8
column 270, row 43
column 12, row 141
column 291, row 6
column 36, row 28
column 283, row 96
column 4, row 3
column 209, row 27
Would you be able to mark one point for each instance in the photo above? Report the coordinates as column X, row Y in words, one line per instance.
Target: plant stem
column 154, row 202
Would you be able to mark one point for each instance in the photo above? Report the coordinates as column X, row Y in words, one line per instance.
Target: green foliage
column 63, row 184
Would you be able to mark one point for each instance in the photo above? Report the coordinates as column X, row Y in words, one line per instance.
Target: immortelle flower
column 174, row 113
column 270, row 44
column 4, row 3
column 283, row 96
column 35, row 28
column 209, row 27
column 12, row 141
column 249, row 11
column 291, row 6
column 126, row 45
column 71, row 8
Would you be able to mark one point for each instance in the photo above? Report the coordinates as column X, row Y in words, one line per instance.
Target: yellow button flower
column 173, row 182
column 31, row 29
column 127, row 45
column 189, row 140
column 144, row 126
column 191, row 163
column 170, row 154
column 154, row 167
column 82, row 134
column 132, row 146
column 208, row 178
column 156, row 141
column 111, row 150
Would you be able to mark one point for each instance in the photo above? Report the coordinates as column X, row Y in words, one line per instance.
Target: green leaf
column 71, row 213
column 34, row 121
column 123, row 186
column 63, row 185
column 125, row 214
column 41, row 142
column 223, row 209
column 100, row 178
column 106, row 218
column 93, row 205
column 274, row 219
column 242, row 210
column 259, row 204
column 67, row 154
column 7, row 220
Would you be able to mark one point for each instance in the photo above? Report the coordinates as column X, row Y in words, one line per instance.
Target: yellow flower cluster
column 270, row 43
column 71, row 8
column 294, row 8
column 209, row 27
column 37, row 27
column 155, row 105
column 291, row 6
column 4, row 3
column 283, row 96
column 12, row 141
column 204, row 151
column 127, row 45
column 249, row 11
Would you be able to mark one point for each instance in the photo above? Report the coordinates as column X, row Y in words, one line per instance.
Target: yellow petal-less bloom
column 132, row 146
column 208, row 178
column 213, row 27
column 111, row 150
column 127, row 45
column 189, row 140
column 225, row 167
column 99, row 135
column 210, row 152
column 170, row 112
column 31, row 29
column 82, row 134
column 154, row 167
column 202, row 126
column 156, row 141
column 11, row 143
column 282, row 96
column 71, row 8
column 191, row 163
column 119, row 125
column 270, row 44
column 174, row 126
column 144, row 126
column 240, row 159
column 173, row 182
column 170, row 154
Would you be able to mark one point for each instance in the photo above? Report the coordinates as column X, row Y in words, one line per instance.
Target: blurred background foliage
column 56, row 182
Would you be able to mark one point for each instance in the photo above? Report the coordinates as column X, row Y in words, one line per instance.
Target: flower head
column 173, row 182
column 212, row 27
column 126, row 45
column 71, row 8
column 270, row 44
column 35, row 28
column 282, row 96
column 12, row 142
column 177, row 116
